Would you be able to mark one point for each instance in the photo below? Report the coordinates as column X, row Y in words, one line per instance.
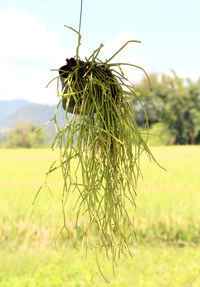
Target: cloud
column 27, row 52
column 25, row 37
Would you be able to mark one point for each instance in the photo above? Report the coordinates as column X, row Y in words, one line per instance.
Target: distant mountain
column 9, row 107
column 34, row 113
column 37, row 114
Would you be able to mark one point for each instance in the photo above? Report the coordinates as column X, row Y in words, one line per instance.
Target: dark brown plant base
column 82, row 76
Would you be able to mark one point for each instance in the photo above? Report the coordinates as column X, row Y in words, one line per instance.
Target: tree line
column 26, row 135
column 172, row 104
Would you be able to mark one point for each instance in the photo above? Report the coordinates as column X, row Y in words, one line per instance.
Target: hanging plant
column 100, row 146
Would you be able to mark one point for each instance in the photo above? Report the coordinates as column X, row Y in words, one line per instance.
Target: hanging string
column 80, row 19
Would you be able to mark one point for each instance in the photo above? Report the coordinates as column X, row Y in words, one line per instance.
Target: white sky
column 34, row 39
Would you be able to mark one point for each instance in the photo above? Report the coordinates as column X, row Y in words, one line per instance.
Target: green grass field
column 167, row 224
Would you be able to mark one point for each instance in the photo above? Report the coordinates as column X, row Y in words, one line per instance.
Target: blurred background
column 167, row 218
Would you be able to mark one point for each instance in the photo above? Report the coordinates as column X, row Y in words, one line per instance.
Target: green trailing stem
column 101, row 141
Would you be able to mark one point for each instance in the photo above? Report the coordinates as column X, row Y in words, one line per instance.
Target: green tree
column 26, row 135
column 176, row 103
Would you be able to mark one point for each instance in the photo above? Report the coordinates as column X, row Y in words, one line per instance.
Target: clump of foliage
column 176, row 103
column 100, row 140
column 25, row 135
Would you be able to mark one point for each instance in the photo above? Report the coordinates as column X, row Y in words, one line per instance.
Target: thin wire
column 80, row 17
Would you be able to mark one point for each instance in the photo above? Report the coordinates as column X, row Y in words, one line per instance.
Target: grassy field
column 167, row 224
